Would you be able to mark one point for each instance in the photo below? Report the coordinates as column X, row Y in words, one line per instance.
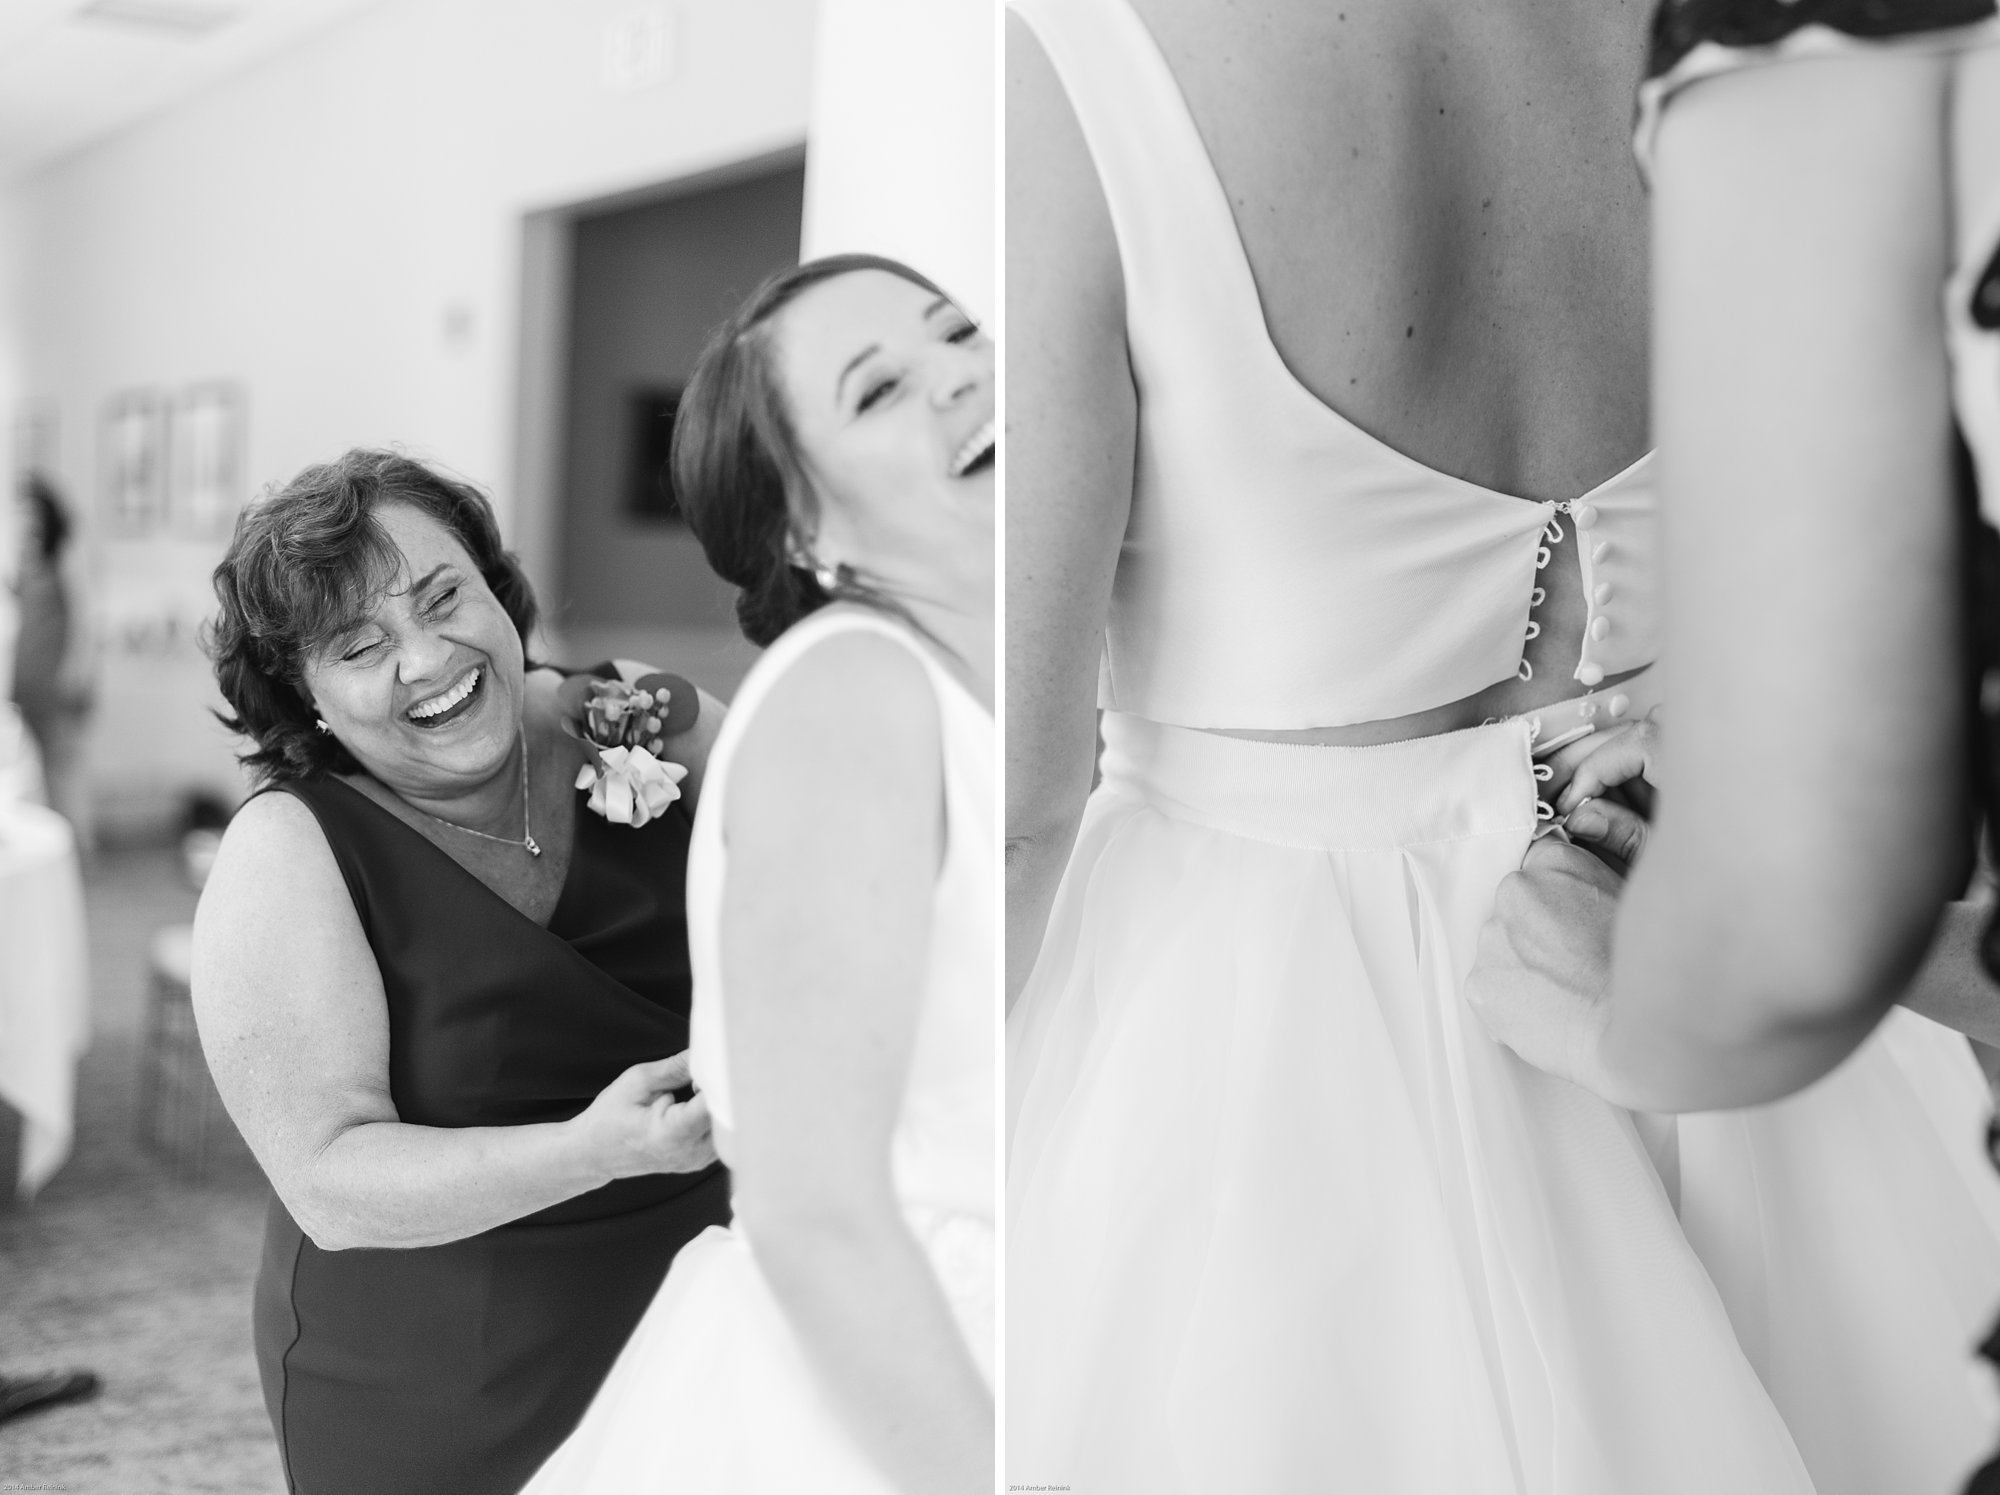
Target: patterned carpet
column 125, row 1268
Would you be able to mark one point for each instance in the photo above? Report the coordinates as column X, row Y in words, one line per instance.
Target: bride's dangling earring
column 827, row 576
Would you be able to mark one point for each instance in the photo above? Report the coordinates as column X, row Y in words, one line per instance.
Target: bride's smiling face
column 426, row 688
column 889, row 388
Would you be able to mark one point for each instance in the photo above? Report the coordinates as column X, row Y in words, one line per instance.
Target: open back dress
column 1281, row 1215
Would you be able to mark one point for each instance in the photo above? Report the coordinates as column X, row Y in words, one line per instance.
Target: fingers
column 1602, row 774
column 1549, row 859
column 1566, row 760
column 1611, row 826
column 657, row 1076
column 1546, row 855
column 1620, row 756
column 686, row 1136
column 687, row 1116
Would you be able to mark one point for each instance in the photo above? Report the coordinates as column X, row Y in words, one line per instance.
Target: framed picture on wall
column 649, row 479
column 205, row 458
column 132, row 461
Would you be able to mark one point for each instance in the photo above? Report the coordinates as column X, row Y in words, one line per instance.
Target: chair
column 178, row 1106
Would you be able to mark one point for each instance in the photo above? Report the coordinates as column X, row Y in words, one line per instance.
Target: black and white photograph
column 500, row 838
column 913, row 747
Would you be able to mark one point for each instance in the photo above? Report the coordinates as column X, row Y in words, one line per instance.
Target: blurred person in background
column 835, row 456
column 54, row 701
column 52, row 682
column 445, row 1006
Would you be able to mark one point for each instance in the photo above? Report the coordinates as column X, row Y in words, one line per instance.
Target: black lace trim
column 1679, row 26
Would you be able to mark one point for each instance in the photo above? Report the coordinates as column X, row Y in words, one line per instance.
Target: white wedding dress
column 1281, row 1216
column 713, row 1395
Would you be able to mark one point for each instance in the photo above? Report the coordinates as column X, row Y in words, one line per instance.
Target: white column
column 901, row 151
column 10, row 408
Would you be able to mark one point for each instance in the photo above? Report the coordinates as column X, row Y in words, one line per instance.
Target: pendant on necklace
column 533, row 849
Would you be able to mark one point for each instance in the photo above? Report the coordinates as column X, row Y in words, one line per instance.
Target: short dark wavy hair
column 305, row 563
column 738, row 473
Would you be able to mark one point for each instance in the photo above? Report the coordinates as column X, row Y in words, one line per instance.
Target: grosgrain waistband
column 1474, row 782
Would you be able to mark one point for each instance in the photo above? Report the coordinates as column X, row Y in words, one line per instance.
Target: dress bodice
column 1282, row 568
column 718, row 1390
column 455, row 1369
column 942, row 1150
column 497, row 1021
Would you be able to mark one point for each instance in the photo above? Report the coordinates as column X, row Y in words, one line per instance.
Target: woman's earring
column 827, row 576
column 322, row 724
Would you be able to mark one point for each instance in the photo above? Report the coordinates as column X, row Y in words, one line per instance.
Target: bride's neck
column 968, row 641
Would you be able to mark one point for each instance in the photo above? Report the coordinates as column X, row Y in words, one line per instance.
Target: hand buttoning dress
column 454, row 1369
column 1281, row 1217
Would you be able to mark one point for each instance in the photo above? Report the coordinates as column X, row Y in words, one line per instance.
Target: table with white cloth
column 44, row 984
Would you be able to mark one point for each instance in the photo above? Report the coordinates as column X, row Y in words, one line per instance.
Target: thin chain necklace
column 527, row 841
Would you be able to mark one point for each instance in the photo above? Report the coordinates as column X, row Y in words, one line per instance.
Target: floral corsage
column 626, row 724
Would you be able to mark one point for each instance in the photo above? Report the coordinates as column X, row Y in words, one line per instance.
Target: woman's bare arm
column 1811, row 569
column 1072, row 423
column 835, row 829
column 296, row 1031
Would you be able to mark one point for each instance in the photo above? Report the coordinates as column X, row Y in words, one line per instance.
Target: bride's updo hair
column 737, row 469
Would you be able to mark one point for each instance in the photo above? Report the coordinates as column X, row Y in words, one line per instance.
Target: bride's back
column 1441, row 211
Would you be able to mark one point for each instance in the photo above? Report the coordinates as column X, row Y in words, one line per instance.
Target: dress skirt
column 714, row 1392
column 1281, row 1216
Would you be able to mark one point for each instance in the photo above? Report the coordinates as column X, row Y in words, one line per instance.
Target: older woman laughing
column 446, row 1009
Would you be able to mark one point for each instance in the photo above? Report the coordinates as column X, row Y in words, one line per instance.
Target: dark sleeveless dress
column 456, row 1369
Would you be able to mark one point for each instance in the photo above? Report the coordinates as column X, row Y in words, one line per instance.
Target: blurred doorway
column 630, row 292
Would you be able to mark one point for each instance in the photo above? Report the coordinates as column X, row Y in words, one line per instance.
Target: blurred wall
column 340, row 231
column 903, row 140
column 650, row 282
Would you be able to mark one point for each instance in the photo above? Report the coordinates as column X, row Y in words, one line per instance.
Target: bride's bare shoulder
column 852, row 702
column 856, row 675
